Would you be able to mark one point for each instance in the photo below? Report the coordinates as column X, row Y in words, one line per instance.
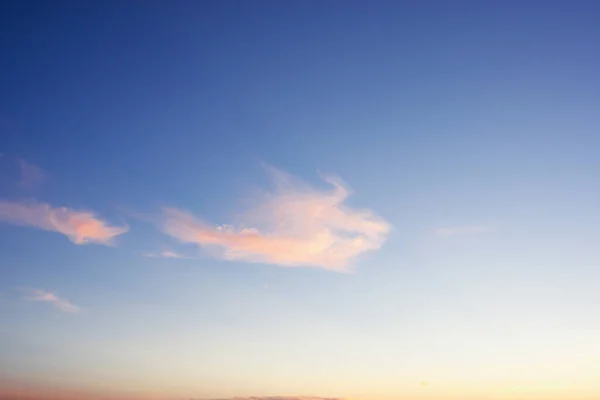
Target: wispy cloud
column 461, row 230
column 293, row 225
column 31, row 174
column 80, row 226
column 49, row 297
column 164, row 254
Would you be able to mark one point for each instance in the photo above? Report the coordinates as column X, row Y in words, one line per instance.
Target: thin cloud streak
column 81, row 227
column 57, row 302
column 294, row 225
column 165, row 254
column 461, row 230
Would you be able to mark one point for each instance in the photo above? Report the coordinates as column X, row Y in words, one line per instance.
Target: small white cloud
column 461, row 230
column 52, row 298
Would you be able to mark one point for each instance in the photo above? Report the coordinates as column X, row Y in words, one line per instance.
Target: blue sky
column 361, row 200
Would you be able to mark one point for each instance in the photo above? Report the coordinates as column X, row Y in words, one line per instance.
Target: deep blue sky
column 470, row 127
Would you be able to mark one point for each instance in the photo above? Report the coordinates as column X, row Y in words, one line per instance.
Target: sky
column 348, row 200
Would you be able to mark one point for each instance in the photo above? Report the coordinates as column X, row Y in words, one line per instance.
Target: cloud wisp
column 57, row 302
column 461, row 230
column 165, row 254
column 31, row 174
column 80, row 227
column 293, row 225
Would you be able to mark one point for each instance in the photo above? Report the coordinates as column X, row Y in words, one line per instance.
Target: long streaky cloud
column 294, row 225
column 49, row 297
column 80, row 226
column 461, row 230
column 284, row 398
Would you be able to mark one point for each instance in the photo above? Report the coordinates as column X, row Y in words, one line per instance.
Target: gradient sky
column 365, row 200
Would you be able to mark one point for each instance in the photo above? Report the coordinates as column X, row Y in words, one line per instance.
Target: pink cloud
column 49, row 297
column 31, row 175
column 80, row 226
column 294, row 225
